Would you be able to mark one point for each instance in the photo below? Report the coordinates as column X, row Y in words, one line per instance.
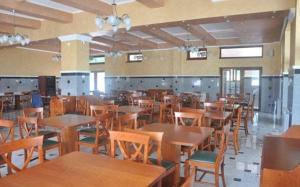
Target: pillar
column 75, row 65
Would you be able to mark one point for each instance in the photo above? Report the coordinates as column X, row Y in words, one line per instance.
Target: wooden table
column 280, row 162
column 175, row 137
column 131, row 109
column 80, row 169
column 68, row 124
column 292, row 132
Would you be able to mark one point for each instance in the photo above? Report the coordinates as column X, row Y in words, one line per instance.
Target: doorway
column 236, row 81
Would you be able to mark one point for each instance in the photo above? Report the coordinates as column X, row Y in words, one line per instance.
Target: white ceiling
column 54, row 5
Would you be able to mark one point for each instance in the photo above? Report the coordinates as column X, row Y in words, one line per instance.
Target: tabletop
column 280, row 153
column 218, row 115
column 80, row 169
column 292, row 132
column 68, row 120
column 181, row 135
column 131, row 109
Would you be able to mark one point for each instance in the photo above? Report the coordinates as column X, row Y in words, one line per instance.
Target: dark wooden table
column 175, row 137
column 80, row 169
column 131, row 109
column 293, row 132
column 280, row 162
column 68, row 124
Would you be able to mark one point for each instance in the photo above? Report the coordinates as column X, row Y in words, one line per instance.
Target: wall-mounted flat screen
column 135, row 57
column 201, row 54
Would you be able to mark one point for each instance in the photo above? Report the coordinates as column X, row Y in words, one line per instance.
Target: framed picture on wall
column 201, row 54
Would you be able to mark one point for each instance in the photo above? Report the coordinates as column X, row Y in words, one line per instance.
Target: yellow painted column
column 75, row 65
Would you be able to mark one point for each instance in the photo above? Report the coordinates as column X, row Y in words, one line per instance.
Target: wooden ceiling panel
column 6, row 29
column 92, row 6
column 37, row 11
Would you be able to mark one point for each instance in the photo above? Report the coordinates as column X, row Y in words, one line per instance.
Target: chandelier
column 114, row 20
column 10, row 39
column 188, row 47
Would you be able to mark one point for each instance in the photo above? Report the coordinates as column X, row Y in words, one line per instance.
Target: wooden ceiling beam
column 38, row 11
column 158, row 33
column 200, row 33
column 6, row 29
column 114, row 44
column 92, row 6
column 19, row 21
column 152, row 3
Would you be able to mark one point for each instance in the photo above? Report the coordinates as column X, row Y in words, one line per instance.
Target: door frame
column 244, row 68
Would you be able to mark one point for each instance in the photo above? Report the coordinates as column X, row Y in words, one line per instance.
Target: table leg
column 17, row 101
column 172, row 153
column 68, row 138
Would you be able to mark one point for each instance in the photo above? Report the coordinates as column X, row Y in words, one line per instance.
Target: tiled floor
column 240, row 170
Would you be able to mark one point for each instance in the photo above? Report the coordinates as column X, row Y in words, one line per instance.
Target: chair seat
column 164, row 163
column 48, row 143
column 91, row 140
column 204, row 156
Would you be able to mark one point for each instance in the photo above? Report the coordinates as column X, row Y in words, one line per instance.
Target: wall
column 20, row 68
column 169, row 69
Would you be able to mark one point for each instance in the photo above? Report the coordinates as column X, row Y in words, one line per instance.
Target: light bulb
column 126, row 20
column 112, row 20
column 99, row 22
column 27, row 40
column 5, row 38
column 18, row 38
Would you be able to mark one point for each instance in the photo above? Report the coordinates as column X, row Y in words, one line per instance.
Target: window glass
column 135, row 57
column 241, row 52
column 101, row 81
column 97, row 59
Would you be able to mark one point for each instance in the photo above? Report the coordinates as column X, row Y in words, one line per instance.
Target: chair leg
column 186, row 169
column 217, row 177
column 223, row 175
column 59, row 149
column 235, row 144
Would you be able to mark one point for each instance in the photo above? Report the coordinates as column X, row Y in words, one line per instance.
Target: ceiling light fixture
column 113, row 53
column 188, row 47
column 114, row 20
column 11, row 39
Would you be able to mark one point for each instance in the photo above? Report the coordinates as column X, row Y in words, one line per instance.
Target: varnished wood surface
column 292, row 132
column 216, row 115
column 131, row 109
column 68, row 120
column 280, row 153
column 79, row 169
column 180, row 135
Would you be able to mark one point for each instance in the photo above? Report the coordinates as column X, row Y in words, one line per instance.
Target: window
column 198, row 55
column 97, row 81
column 241, row 52
column 135, row 57
column 97, row 60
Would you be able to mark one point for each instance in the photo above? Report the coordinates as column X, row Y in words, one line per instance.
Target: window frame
column 133, row 61
column 237, row 47
column 197, row 58
column 96, row 57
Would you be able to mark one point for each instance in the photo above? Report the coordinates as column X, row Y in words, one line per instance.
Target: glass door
column 236, row 81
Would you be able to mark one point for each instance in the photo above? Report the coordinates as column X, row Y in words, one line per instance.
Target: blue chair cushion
column 48, row 142
column 164, row 163
column 204, row 156
column 92, row 140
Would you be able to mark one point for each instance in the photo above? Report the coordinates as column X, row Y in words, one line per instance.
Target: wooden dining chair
column 57, row 106
column 209, row 162
column 133, row 146
column 98, row 110
column 217, row 106
column 234, row 132
column 97, row 135
column 251, row 108
column 81, row 105
column 188, row 119
column 155, row 150
column 28, row 144
column 6, row 135
column 146, row 116
column 128, row 121
column 29, row 128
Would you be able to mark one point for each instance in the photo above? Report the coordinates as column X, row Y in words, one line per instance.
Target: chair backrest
column 170, row 99
column 28, row 126
column 56, row 106
column 34, row 112
column 128, row 121
column 217, row 106
column 147, row 104
column 223, row 143
column 114, row 109
column 81, row 105
column 7, row 133
column 155, row 145
column 97, row 110
column 29, row 144
column 194, row 119
column 1, row 108
column 103, row 125
column 238, row 122
column 133, row 146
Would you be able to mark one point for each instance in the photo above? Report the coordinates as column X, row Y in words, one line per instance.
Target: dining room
column 185, row 93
